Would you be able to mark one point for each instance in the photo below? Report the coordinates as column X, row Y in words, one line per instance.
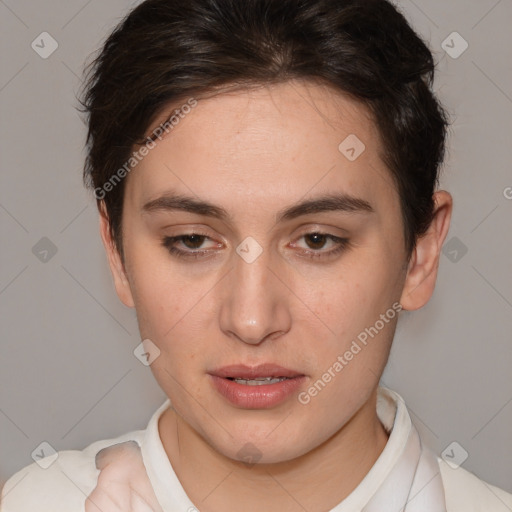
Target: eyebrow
column 327, row 203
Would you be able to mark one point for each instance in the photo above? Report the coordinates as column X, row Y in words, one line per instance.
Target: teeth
column 260, row 381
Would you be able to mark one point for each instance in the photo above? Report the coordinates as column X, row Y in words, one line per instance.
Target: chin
column 250, row 453
column 262, row 444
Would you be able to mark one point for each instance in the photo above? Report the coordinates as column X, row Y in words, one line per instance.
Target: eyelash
column 342, row 245
column 169, row 241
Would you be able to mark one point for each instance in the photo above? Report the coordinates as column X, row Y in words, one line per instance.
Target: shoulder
column 465, row 492
column 70, row 476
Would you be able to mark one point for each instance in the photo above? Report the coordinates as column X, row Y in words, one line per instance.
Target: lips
column 256, row 387
column 261, row 371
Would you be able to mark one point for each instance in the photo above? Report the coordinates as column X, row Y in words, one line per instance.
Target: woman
column 266, row 176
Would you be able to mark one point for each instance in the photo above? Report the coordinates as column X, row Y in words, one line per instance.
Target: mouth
column 257, row 387
column 260, row 381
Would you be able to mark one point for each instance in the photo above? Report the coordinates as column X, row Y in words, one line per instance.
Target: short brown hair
column 165, row 51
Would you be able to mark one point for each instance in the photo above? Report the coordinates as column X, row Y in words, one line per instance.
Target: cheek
column 352, row 297
column 174, row 310
column 159, row 299
column 161, row 304
column 349, row 302
column 169, row 312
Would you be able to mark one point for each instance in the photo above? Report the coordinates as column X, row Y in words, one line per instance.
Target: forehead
column 269, row 146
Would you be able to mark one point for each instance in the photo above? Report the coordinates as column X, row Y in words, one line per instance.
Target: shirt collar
column 404, row 477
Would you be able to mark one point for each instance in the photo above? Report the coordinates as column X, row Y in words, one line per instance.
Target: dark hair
column 165, row 51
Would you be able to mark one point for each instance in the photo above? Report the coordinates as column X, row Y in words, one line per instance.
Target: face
column 258, row 245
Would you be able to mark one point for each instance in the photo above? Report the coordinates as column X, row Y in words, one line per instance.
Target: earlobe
column 115, row 262
column 423, row 265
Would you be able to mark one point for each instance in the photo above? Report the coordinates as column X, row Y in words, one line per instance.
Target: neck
column 315, row 481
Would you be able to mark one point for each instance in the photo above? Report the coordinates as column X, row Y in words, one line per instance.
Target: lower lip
column 257, row 397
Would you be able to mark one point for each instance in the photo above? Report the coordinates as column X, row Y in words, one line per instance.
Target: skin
column 123, row 484
column 255, row 153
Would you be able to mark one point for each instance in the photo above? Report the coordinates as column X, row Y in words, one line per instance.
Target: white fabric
column 397, row 481
column 406, row 477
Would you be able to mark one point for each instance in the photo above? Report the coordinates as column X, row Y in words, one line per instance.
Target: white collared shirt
column 406, row 477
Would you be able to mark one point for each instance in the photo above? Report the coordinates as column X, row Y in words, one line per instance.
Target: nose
column 254, row 304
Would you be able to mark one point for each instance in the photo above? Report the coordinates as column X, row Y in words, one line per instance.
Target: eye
column 318, row 244
column 190, row 245
column 199, row 245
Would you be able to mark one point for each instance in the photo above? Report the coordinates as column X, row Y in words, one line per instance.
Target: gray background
column 67, row 370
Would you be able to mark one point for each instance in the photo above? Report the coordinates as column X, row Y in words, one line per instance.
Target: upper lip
column 241, row 371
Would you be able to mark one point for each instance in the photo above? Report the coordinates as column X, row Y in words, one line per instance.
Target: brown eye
column 320, row 245
column 191, row 246
column 315, row 240
column 193, row 241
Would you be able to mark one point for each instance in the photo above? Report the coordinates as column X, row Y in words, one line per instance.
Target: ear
column 424, row 262
column 114, row 260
